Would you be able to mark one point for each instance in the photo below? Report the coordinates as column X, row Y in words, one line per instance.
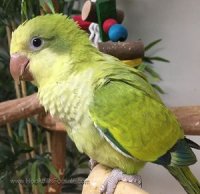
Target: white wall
column 177, row 22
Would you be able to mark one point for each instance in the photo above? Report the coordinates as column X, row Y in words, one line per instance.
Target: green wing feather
column 131, row 116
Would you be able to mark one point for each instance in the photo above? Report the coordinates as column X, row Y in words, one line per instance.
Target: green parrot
column 110, row 110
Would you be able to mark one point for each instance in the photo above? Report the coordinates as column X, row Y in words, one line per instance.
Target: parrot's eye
column 37, row 43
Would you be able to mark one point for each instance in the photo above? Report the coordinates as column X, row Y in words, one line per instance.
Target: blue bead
column 117, row 32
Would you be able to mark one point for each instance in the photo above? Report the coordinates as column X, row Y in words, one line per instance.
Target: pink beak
column 19, row 68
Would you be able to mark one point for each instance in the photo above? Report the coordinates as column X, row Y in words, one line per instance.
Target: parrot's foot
column 92, row 163
column 117, row 175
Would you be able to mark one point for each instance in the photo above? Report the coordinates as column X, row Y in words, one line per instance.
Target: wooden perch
column 14, row 110
column 50, row 123
column 123, row 50
column 189, row 118
column 99, row 174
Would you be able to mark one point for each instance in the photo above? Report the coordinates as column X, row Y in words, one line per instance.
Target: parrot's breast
column 68, row 100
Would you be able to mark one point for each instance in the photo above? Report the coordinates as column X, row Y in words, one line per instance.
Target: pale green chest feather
column 69, row 100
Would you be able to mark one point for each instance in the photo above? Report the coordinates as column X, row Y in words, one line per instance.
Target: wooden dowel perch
column 123, row 50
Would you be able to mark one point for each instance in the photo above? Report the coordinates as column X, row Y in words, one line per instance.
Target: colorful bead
column 108, row 23
column 117, row 32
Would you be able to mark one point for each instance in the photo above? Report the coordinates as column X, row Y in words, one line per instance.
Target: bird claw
column 117, row 175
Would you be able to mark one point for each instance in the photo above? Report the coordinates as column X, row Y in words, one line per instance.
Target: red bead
column 108, row 23
column 84, row 25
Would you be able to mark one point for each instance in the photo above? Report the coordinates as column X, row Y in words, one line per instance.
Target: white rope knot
column 94, row 34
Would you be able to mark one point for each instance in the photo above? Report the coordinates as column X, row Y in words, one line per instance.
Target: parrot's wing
column 180, row 154
column 131, row 117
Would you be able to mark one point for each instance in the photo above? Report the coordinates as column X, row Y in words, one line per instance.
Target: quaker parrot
column 110, row 110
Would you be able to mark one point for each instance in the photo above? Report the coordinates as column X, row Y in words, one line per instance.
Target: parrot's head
column 45, row 48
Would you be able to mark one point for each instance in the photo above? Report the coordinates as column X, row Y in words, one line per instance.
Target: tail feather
column 192, row 144
column 185, row 178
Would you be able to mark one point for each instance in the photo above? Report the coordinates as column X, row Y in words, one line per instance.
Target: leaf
column 19, row 145
column 37, row 181
column 152, row 44
column 153, row 73
column 24, row 11
column 34, row 171
column 158, row 59
column 83, row 159
column 3, row 176
column 49, row 3
column 142, row 67
column 52, row 169
column 22, row 172
column 158, row 88
column 40, row 136
column 147, row 60
column 6, row 153
column 41, row 188
column 25, row 164
column 21, row 127
column 25, row 148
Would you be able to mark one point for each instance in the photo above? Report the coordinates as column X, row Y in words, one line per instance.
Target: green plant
column 17, row 167
column 147, row 67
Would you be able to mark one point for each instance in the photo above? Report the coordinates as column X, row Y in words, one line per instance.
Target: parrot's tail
column 185, row 178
